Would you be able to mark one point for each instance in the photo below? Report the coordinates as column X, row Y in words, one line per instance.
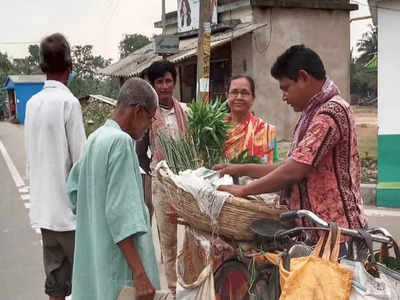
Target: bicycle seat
column 267, row 228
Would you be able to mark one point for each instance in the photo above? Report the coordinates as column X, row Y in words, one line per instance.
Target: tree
column 131, row 43
column 34, row 57
column 362, row 83
column 367, row 46
column 5, row 68
column 85, row 64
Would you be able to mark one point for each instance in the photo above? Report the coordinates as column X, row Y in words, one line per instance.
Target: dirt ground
column 367, row 132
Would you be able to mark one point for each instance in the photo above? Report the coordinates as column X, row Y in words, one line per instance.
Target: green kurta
column 106, row 194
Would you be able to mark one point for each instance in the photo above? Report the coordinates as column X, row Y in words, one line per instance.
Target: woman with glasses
column 248, row 132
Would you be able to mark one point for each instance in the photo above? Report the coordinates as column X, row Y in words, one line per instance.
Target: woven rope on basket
column 236, row 215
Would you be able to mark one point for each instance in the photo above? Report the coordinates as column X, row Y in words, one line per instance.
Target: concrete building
column 249, row 36
column 386, row 15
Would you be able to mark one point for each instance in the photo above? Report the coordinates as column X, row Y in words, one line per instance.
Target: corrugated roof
column 372, row 65
column 27, row 78
column 135, row 63
column 104, row 99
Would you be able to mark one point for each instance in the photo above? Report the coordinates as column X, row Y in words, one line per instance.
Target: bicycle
column 245, row 277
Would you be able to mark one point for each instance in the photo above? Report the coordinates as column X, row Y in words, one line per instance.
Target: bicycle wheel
column 231, row 281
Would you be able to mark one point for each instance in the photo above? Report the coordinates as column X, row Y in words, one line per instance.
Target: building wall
column 242, row 55
column 171, row 29
column 327, row 32
column 388, row 67
column 244, row 14
column 388, row 190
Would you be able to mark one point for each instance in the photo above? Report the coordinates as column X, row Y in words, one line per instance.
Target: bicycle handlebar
column 387, row 238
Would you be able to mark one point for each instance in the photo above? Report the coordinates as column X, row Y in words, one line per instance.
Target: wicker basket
column 235, row 217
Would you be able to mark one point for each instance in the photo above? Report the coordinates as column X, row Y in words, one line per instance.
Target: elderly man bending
column 113, row 233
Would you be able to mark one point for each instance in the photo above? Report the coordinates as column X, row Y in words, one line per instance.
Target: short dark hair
column 298, row 58
column 159, row 68
column 248, row 78
column 137, row 91
column 55, row 54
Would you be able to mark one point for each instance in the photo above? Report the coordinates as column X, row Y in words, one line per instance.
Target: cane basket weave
column 235, row 217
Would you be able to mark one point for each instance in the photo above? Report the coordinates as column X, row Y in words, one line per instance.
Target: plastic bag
column 368, row 287
column 382, row 286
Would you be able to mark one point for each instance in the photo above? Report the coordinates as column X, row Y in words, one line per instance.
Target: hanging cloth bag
column 318, row 276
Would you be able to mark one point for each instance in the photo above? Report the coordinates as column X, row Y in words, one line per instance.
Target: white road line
column 13, row 170
column 38, row 231
column 25, row 197
column 380, row 212
column 27, row 205
column 24, row 189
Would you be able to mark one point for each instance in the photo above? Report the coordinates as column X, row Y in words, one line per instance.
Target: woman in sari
column 248, row 132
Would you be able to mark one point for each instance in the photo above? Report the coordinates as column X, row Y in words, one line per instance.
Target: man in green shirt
column 113, row 238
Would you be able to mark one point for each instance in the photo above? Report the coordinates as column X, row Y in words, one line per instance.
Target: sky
column 101, row 23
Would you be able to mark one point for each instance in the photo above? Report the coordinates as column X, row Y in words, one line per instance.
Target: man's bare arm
column 288, row 172
column 250, row 170
column 144, row 288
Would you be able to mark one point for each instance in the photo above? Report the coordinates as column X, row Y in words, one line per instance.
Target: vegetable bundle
column 207, row 125
column 204, row 141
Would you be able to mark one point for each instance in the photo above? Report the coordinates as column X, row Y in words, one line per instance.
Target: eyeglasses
column 153, row 117
column 235, row 93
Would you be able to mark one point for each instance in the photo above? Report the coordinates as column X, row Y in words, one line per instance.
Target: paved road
column 21, row 271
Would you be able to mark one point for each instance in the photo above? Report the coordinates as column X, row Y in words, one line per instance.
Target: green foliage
column 95, row 113
column 180, row 154
column 5, row 68
column 131, row 43
column 88, row 82
column 244, row 158
column 204, row 141
column 361, row 82
column 85, row 63
column 28, row 65
column 367, row 46
column 207, row 124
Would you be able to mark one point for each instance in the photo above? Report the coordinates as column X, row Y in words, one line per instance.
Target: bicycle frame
column 387, row 238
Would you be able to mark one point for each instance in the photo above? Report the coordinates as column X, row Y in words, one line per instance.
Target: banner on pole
column 189, row 14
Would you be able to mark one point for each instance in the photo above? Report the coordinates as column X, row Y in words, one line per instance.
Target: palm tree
column 367, row 46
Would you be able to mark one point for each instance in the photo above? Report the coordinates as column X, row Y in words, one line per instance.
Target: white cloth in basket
column 202, row 184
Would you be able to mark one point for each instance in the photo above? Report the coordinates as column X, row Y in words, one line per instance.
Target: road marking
column 25, row 197
column 378, row 212
column 27, row 205
column 19, row 182
column 24, row 189
column 38, row 231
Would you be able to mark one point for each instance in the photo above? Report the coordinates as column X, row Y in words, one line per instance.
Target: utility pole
column 165, row 44
column 164, row 22
column 163, row 16
column 204, row 52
